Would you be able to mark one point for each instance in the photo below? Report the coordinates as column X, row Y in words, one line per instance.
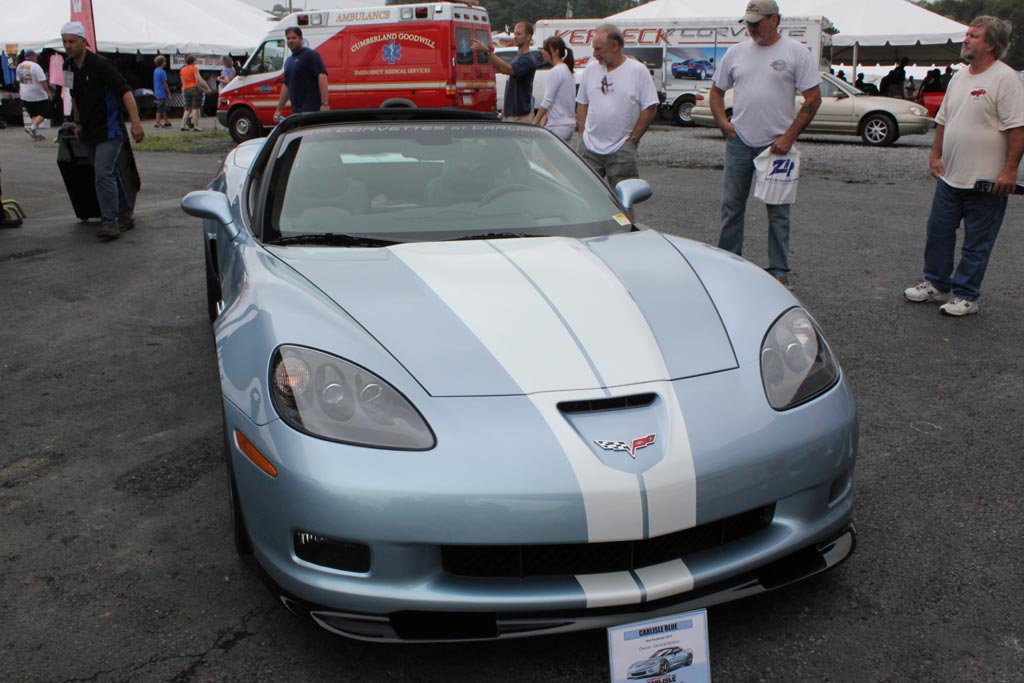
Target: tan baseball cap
column 758, row 10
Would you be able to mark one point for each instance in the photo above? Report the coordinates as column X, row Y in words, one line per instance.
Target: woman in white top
column 557, row 112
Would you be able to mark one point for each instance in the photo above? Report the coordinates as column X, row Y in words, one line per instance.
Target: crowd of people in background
column 980, row 126
column 898, row 84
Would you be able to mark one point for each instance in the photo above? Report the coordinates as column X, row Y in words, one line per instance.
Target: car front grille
column 521, row 561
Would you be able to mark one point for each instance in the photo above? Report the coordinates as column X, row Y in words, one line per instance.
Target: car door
column 836, row 112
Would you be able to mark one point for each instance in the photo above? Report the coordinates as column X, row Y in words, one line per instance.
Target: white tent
column 141, row 26
column 870, row 31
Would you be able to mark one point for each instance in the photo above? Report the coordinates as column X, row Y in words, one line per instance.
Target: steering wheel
column 503, row 189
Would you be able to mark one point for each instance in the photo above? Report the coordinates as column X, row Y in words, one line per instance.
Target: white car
column 879, row 121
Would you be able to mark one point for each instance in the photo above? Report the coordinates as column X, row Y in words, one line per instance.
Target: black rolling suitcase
column 79, row 178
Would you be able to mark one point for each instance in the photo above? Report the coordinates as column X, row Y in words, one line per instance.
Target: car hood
column 519, row 316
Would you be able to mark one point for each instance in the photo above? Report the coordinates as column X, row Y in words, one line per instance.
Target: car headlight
column 330, row 398
column 796, row 363
column 918, row 111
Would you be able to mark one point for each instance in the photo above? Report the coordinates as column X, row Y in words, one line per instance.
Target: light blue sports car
column 661, row 662
column 466, row 396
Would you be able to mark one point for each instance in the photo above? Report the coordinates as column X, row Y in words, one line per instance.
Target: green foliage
column 966, row 10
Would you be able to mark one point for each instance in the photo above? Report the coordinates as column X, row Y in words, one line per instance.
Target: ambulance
column 681, row 53
column 393, row 56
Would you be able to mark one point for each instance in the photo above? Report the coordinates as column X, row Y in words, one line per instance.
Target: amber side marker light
column 253, row 454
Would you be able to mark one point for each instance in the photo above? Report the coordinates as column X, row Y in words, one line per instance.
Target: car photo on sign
column 469, row 400
column 693, row 68
column 661, row 662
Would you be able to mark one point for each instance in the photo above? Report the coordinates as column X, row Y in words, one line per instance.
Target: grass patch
column 207, row 141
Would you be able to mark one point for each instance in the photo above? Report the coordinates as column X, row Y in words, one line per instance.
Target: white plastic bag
column 777, row 176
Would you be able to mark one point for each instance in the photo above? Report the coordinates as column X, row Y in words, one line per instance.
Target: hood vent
column 601, row 404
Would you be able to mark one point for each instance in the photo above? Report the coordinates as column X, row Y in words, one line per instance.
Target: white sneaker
column 959, row 307
column 924, row 291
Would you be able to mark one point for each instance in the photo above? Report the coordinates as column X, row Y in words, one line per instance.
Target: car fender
column 266, row 304
column 747, row 298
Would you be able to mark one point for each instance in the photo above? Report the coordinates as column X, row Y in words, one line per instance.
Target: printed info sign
column 672, row 649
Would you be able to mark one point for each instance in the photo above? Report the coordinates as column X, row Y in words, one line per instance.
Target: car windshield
column 402, row 182
column 662, row 653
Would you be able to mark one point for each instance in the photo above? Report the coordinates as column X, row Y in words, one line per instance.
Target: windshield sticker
column 621, row 219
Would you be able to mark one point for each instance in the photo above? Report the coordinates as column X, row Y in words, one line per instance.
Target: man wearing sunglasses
column 616, row 103
column 767, row 72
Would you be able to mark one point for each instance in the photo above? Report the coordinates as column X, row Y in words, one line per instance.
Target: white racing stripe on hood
column 611, row 498
column 497, row 303
column 672, row 484
column 559, row 321
column 595, row 305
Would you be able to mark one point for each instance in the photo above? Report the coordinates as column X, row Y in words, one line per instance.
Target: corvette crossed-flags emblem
column 627, row 447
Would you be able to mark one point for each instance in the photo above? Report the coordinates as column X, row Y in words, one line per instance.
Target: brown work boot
column 108, row 231
column 126, row 223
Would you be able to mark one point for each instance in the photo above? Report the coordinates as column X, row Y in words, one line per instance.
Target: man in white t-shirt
column 616, row 103
column 767, row 72
column 979, row 136
column 35, row 94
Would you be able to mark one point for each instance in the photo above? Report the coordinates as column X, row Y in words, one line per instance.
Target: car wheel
column 663, row 667
column 213, row 294
column 878, row 130
column 243, row 125
column 701, row 75
column 689, row 660
column 681, row 111
column 243, row 545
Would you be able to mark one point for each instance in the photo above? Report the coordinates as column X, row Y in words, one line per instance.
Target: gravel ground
column 838, row 157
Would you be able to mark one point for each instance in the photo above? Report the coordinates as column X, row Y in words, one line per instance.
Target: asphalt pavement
column 116, row 562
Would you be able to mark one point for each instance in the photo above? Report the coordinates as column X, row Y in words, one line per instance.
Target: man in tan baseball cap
column 766, row 72
column 758, row 10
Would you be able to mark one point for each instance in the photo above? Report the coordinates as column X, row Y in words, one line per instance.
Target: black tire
column 243, row 125
column 681, row 109
column 663, row 667
column 701, row 75
column 243, row 546
column 878, row 130
column 213, row 294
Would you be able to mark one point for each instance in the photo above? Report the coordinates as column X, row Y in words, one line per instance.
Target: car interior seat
column 467, row 176
column 320, row 179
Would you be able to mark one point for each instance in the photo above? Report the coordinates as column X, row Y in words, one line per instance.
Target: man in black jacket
column 98, row 93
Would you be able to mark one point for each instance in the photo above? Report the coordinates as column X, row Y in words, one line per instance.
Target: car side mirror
column 633, row 191
column 212, row 206
column 841, row 95
column 242, row 71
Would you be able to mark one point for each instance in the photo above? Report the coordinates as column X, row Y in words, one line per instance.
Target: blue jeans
column 739, row 174
column 982, row 215
column 110, row 192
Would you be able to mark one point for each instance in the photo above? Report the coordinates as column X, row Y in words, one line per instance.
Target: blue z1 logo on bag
column 782, row 166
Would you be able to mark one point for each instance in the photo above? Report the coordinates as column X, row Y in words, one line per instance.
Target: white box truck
column 682, row 53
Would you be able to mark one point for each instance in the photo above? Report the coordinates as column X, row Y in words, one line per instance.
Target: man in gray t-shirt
column 767, row 73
